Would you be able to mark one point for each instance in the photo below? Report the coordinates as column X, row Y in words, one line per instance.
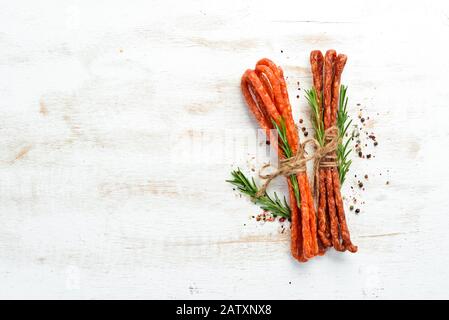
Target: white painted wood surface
column 98, row 99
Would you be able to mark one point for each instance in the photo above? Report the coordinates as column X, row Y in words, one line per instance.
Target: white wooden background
column 96, row 97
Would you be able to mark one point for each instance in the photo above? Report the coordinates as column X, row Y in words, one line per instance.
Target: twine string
column 324, row 157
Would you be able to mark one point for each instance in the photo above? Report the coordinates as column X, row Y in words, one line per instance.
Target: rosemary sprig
column 317, row 117
column 343, row 123
column 274, row 205
column 282, row 133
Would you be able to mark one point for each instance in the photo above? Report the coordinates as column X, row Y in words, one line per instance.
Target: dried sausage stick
column 329, row 62
column 341, row 214
column 254, row 108
column 339, row 65
column 308, row 218
column 317, row 62
column 264, row 111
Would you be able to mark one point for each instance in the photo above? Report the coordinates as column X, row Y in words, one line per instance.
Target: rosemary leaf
column 343, row 123
column 275, row 205
column 317, row 121
column 282, row 133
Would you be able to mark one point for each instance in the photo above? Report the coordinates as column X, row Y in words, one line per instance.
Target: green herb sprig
column 276, row 206
column 272, row 204
column 285, row 146
column 343, row 123
column 317, row 116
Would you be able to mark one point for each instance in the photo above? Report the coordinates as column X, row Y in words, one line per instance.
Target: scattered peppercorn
column 366, row 176
column 303, row 129
column 306, row 134
column 357, row 211
column 360, row 154
column 368, row 156
column 375, row 143
column 360, row 184
column 301, row 121
column 351, row 208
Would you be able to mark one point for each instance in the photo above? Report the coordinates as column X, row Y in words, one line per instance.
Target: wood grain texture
column 103, row 194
